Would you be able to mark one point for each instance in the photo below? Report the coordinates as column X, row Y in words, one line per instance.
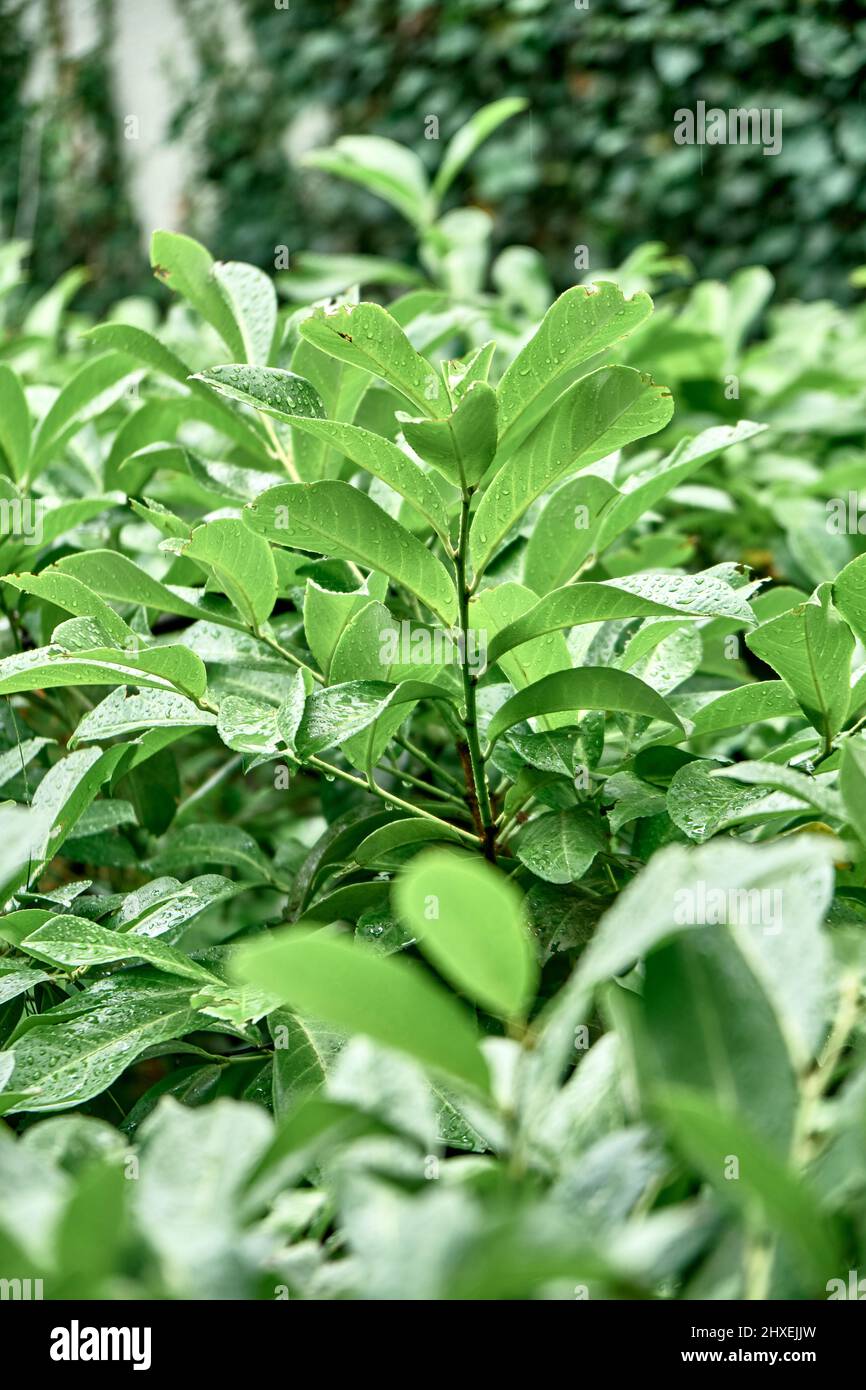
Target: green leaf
column 593, row 687
column 561, row 845
column 272, row 390
column 382, row 848
column 121, row 714
column 65, row 793
column 225, row 846
column 304, row 1052
column 501, row 607
column 241, row 563
column 389, row 999
column 22, row 835
column 71, row 1053
column 702, row 804
column 470, row 136
column 14, row 422
column 811, row 648
column 579, row 324
column 766, row 1190
column 13, row 762
column 385, row 168
column 382, row 459
column 252, row 299
column 598, row 414
column 163, row 668
column 633, row 596
column 462, row 445
column 852, row 784
column 750, row 704
column 367, row 336
column 704, row 1019
column 75, row 942
column 642, row 489
column 19, row 981
column 143, row 346
column 469, row 922
column 333, row 715
column 565, row 532
column 772, row 897
column 813, row 790
column 73, row 596
column 98, row 384
column 333, row 518
column 849, row 595
column 188, row 268
column 164, row 907
column 114, row 576
column 327, row 614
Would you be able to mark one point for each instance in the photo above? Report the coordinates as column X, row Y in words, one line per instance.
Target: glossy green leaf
column 579, row 324
column 242, row 565
column 811, row 648
column 367, row 336
column 272, row 390
column 332, row 518
column 594, row 687
column 462, row 445
column 71, row 941
column 188, row 268
column 600, row 413
column 561, row 845
column 252, row 299
column 382, row 459
column 633, row 596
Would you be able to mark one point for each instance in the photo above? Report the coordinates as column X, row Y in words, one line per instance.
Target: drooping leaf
column 388, row 999
column 593, row 687
column 633, row 596
column 469, row 922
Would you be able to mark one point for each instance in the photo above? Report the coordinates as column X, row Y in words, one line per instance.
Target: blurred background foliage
column 593, row 162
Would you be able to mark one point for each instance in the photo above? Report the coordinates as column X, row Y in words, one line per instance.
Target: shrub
column 433, row 861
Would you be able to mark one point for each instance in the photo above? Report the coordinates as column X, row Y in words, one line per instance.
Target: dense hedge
column 603, row 83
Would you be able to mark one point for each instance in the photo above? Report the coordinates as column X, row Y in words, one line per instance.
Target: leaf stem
column 473, row 763
column 330, row 770
column 287, row 655
column 279, row 450
column 431, row 763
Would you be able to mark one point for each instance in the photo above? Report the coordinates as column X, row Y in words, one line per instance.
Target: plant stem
column 330, row 770
column 473, row 763
column 279, row 450
column 431, row 763
column 425, row 786
column 284, row 652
